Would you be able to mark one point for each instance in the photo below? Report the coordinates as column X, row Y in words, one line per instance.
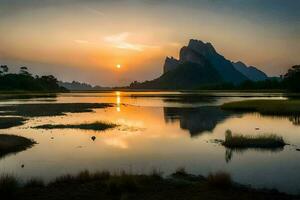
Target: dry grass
column 267, row 141
column 221, row 180
column 96, row 126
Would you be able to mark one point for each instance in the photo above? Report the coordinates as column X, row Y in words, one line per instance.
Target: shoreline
column 122, row 185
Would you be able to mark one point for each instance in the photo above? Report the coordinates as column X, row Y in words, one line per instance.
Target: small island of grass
column 96, row 126
column 265, row 107
column 265, row 141
column 8, row 122
column 50, row 109
column 13, row 144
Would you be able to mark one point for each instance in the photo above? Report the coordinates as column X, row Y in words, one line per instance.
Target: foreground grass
column 266, row 141
column 8, row 122
column 105, row 185
column 266, row 107
column 50, row 109
column 96, row 126
column 13, row 144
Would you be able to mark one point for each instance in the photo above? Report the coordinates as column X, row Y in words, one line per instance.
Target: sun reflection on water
column 118, row 101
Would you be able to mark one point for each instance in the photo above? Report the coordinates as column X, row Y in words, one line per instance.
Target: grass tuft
column 8, row 186
column 267, row 141
column 220, row 180
column 180, row 172
column 34, row 183
column 96, row 126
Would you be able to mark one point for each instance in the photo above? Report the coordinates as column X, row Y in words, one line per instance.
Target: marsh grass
column 266, row 107
column 123, row 185
column 220, row 180
column 51, row 109
column 8, row 186
column 180, row 172
column 34, row 183
column 14, row 143
column 265, row 141
column 96, row 126
column 9, row 122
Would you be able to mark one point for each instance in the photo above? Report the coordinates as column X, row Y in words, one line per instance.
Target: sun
column 118, row 66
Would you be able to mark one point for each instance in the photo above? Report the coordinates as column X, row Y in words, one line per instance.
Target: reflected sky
column 154, row 133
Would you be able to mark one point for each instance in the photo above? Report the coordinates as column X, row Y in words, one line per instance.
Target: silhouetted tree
column 24, row 71
column 3, row 69
column 26, row 82
column 291, row 79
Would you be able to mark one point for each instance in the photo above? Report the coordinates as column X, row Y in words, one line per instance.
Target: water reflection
column 189, row 99
column 118, row 101
column 295, row 120
column 158, row 132
column 196, row 120
column 229, row 152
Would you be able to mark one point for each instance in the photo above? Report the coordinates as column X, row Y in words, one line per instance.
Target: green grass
column 265, row 141
column 96, row 126
column 265, row 107
column 8, row 122
column 13, row 144
column 51, row 109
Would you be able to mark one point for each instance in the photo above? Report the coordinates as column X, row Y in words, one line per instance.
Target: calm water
column 161, row 130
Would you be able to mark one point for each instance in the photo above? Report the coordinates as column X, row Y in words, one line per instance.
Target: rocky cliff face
column 250, row 72
column 200, row 52
column 199, row 66
column 170, row 64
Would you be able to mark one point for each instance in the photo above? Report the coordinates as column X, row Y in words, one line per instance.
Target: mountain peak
column 201, row 47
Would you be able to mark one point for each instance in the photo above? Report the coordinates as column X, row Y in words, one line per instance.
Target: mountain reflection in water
column 196, row 120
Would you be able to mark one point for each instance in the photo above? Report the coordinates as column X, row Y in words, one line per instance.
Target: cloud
column 120, row 41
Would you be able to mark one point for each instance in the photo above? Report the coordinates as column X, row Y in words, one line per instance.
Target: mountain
column 250, row 72
column 225, row 68
column 74, row 85
column 185, row 76
column 199, row 65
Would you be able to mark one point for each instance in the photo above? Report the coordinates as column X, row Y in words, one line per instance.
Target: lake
column 158, row 130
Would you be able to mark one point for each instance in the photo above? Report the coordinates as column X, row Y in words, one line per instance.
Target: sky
column 85, row 40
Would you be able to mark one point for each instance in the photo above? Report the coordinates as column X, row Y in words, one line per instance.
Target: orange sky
column 85, row 40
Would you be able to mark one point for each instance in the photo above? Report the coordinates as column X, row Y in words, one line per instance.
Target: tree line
column 25, row 81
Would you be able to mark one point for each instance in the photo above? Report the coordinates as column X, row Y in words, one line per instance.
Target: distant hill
column 199, row 65
column 250, row 72
column 75, row 85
